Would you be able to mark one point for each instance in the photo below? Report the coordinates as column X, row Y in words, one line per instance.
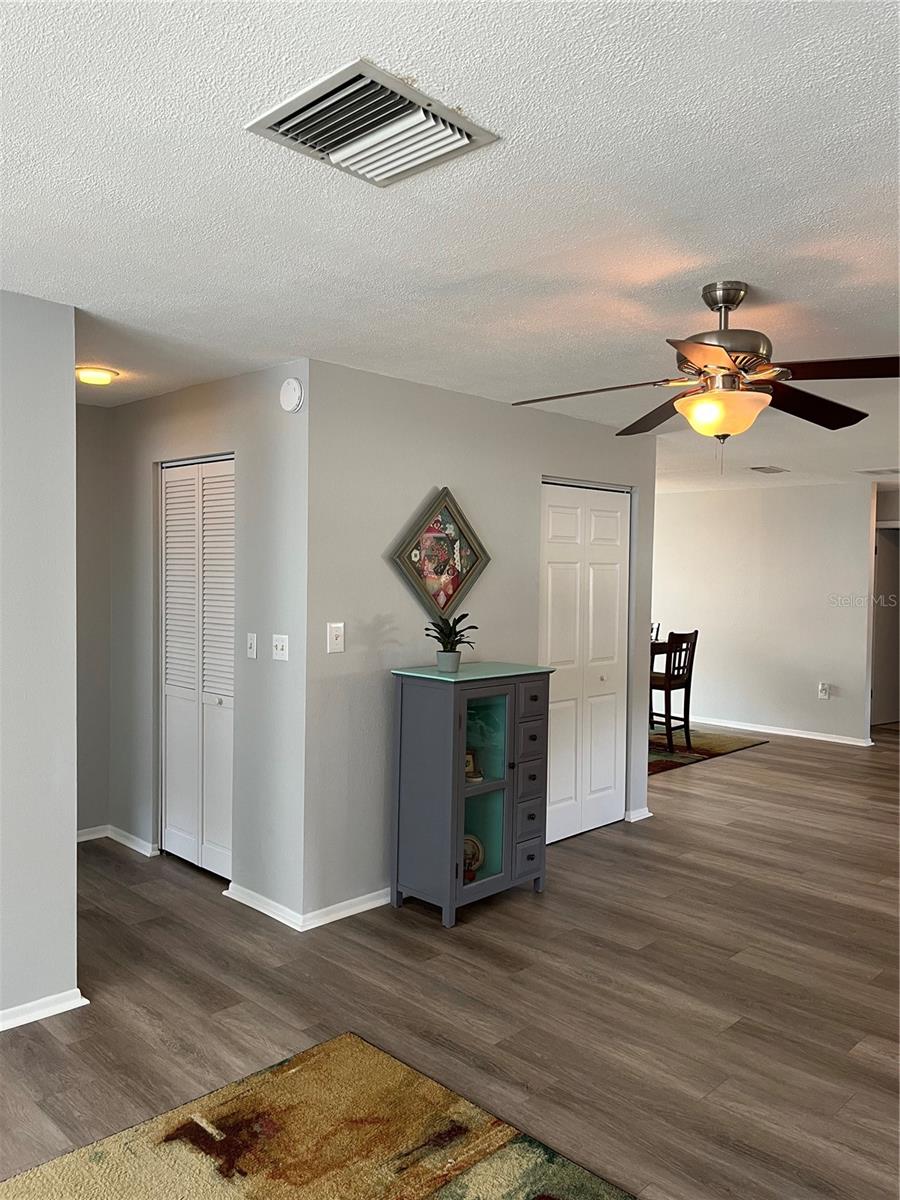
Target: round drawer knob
column 533, row 778
column 534, row 698
column 531, row 858
column 532, row 816
column 218, row 700
column 532, row 737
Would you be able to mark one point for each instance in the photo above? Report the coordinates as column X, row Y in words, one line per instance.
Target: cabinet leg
column 539, row 884
column 448, row 916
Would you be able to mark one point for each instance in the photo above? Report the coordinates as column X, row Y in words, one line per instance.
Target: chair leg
column 687, row 718
column 670, row 746
column 652, row 726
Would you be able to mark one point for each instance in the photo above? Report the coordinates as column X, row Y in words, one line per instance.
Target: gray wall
column 888, row 504
column 378, row 447
column 317, row 807
column 270, row 447
column 37, row 650
column 94, row 444
column 776, row 579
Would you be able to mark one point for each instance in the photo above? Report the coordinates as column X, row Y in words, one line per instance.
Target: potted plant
column 450, row 637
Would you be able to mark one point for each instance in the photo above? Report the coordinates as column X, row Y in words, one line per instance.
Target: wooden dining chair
column 676, row 677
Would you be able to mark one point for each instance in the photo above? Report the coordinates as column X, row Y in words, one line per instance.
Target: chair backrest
column 680, row 649
column 654, row 632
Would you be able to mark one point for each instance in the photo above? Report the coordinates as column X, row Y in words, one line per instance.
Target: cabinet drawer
column 530, row 819
column 531, row 779
column 531, row 739
column 532, row 697
column 529, row 858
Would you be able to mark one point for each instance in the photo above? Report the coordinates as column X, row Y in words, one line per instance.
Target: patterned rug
column 704, row 745
column 342, row 1121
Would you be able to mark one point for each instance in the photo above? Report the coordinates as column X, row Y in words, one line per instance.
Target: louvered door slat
column 217, row 584
column 180, row 579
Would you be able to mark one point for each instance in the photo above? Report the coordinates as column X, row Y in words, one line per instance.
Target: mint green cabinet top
column 468, row 672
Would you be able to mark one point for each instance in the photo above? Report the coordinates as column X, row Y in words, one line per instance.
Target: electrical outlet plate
column 280, row 647
column 824, row 692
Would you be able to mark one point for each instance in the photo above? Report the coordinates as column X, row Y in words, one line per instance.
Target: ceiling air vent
column 770, row 470
column 881, row 471
column 370, row 124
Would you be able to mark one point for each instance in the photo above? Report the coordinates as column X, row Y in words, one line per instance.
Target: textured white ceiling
column 645, row 150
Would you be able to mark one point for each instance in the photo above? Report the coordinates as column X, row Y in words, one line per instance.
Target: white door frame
column 631, row 814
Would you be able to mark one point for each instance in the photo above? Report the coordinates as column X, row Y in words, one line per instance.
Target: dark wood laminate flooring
column 703, row 1005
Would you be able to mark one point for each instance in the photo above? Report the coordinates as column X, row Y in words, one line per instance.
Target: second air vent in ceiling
column 370, row 124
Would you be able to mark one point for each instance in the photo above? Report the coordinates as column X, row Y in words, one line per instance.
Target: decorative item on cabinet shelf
column 449, row 635
column 473, row 774
column 473, row 857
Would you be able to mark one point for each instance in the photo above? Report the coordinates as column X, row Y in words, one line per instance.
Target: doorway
column 886, row 628
column 197, row 660
column 585, row 542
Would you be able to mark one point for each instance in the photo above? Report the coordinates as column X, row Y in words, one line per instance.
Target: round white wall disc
column 291, row 395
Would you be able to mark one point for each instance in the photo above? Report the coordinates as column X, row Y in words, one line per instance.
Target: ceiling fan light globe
column 722, row 415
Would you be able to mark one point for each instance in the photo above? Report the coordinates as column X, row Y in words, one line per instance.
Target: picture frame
column 440, row 555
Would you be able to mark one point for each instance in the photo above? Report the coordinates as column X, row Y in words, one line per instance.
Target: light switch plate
column 251, row 645
column 280, row 646
column 334, row 637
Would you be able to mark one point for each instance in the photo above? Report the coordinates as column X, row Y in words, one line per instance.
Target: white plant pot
column 448, row 660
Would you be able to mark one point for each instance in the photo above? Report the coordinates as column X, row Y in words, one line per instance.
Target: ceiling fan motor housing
column 749, row 348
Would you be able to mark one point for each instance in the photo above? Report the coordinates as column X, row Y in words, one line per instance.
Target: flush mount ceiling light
column 98, row 376
column 370, row 124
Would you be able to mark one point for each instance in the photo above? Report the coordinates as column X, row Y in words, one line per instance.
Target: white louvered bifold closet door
column 198, row 661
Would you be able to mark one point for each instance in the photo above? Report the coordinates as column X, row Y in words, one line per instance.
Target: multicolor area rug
column 704, row 745
column 342, row 1121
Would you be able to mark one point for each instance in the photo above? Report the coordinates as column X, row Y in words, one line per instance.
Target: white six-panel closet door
column 198, row 661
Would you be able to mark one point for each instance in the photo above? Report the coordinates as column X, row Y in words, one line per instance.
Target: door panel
column 563, row 802
column 603, row 612
column 563, row 613
column 181, row 776
column 180, row 606
column 584, row 635
column 218, row 745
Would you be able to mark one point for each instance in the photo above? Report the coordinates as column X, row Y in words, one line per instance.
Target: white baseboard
column 262, row 904
column 310, row 920
column 149, row 849
column 638, row 814
column 346, row 908
column 779, row 731
column 38, row 1010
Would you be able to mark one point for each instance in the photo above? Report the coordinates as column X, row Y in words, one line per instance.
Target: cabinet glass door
column 486, row 839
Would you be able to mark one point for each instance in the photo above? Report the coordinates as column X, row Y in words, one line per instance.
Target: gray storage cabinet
column 496, row 712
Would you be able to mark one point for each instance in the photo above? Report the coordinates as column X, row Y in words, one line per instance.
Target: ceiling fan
column 730, row 378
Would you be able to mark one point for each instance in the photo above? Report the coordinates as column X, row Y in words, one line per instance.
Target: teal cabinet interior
column 470, row 773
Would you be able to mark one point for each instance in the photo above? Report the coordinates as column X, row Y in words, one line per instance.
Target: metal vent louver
column 370, row 124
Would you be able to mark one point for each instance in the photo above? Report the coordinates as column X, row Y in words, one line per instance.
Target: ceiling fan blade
column 885, row 367
column 650, row 420
column 705, row 357
column 620, row 387
column 827, row 413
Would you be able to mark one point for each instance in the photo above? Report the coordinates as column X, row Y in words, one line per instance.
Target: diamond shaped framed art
column 440, row 555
